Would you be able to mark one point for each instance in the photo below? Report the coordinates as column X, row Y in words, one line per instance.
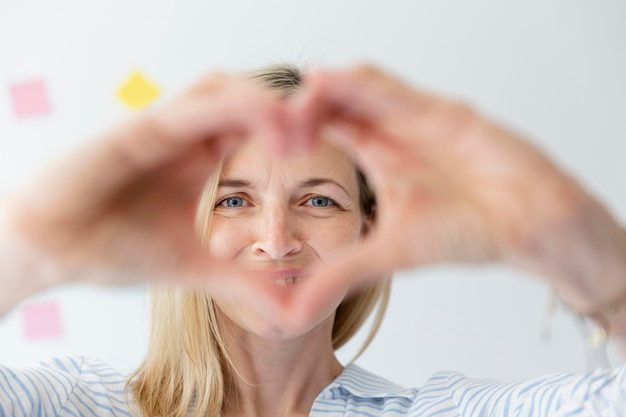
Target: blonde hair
column 186, row 367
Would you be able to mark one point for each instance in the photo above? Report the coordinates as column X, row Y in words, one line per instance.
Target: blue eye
column 232, row 202
column 319, row 201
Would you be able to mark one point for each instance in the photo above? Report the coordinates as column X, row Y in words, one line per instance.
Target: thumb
column 349, row 272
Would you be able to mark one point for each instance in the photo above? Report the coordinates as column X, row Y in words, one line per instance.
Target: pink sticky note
column 29, row 98
column 41, row 321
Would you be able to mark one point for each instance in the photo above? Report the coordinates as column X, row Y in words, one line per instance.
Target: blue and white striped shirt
column 77, row 386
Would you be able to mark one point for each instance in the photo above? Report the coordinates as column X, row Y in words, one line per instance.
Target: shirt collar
column 361, row 383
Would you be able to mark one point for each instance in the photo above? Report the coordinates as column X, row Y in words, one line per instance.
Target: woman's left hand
column 454, row 187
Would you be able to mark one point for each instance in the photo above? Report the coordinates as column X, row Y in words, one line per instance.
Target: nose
column 276, row 234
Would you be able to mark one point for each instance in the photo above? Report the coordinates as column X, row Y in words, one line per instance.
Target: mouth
column 287, row 277
column 283, row 282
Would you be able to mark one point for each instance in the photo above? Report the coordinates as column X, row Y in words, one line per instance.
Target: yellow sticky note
column 138, row 92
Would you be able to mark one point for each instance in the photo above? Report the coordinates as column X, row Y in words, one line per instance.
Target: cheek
column 329, row 236
column 228, row 237
column 225, row 239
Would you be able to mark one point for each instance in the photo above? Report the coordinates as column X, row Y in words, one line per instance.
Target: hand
column 454, row 187
column 122, row 209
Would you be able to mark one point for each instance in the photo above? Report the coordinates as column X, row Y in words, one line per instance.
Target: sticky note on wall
column 138, row 91
column 29, row 98
column 42, row 321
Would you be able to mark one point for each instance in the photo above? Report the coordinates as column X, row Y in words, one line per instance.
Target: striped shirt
column 78, row 386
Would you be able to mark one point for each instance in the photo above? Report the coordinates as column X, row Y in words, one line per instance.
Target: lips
column 288, row 281
column 285, row 277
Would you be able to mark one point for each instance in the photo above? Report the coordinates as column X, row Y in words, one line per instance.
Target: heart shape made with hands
column 451, row 186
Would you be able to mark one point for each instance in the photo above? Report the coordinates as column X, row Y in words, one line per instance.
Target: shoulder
column 593, row 394
column 452, row 394
column 68, row 385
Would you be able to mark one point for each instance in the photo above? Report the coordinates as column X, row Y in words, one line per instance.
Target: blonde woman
column 276, row 260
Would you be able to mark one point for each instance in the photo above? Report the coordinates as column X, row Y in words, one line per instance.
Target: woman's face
column 283, row 216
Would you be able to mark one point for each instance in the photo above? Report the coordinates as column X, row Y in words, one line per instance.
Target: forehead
column 254, row 161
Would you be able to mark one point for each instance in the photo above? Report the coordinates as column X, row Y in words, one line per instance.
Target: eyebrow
column 311, row 182
column 314, row 182
column 234, row 183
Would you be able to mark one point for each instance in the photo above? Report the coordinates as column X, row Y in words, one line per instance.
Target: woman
column 290, row 251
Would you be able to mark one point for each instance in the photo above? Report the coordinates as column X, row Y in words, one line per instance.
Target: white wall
column 552, row 69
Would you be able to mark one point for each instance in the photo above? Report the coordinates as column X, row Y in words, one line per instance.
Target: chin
column 276, row 328
column 274, row 323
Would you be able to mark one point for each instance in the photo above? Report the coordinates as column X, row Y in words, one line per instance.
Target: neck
column 277, row 378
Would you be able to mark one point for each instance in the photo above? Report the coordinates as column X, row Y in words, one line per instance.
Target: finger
column 374, row 155
column 254, row 112
column 239, row 108
column 363, row 93
column 353, row 271
column 253, row 287
column 154, row 139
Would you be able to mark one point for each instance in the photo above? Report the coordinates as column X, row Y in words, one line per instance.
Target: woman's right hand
column 122, row 209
